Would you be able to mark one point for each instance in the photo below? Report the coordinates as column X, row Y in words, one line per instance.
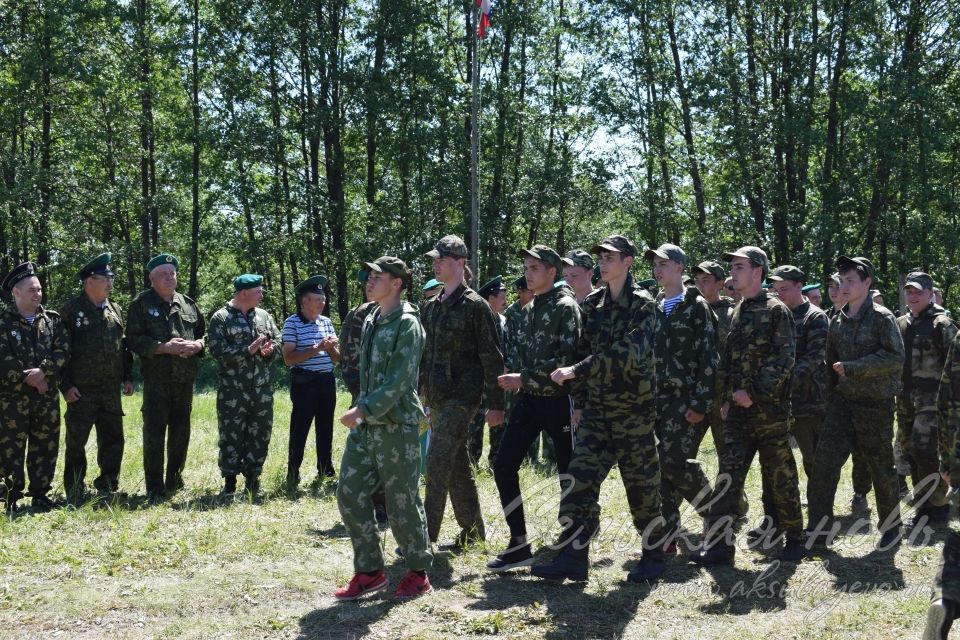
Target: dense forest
column 291, row 137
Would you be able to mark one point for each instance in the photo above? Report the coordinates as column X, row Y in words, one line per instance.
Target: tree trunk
column 195, row 158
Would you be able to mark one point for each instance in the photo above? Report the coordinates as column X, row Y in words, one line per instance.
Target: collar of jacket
column 11, row 310
column 403, row 307
column 543, row 298
column 628, row 287
column 759, row 299
column 865, row 309
column 690, row 294
column 176, row 302
column 453, row 297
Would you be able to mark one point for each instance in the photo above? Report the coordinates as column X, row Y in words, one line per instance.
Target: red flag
column 484, row 23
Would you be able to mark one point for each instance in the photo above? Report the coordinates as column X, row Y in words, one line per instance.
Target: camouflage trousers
column 101, row 407
column 946, row 582
column 245, row 421
column 918, row 437
column 29, row 428
column 719, row 444
column 385, row 456
column 860, row 473
column 166, row 424
column 681, row 476
column 603, row 440
column 744, row 440
column 867, row 426
column 449, row 471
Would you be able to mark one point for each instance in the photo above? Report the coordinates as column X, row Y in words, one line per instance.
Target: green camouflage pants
column 387, row 456
column 716, row 431
column 744, row 440
column 681, row 476
column 29, row 428
column 245, row 420
column 100, row 407
column 449, row 471
column 604, row 440
column 917, row 435
column 867, row 426
column 860, row 473
column 946, row 582
column 166, row 421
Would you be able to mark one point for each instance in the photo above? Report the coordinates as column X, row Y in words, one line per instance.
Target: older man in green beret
column 100, row 366
column 243, row 339
column 166, row 329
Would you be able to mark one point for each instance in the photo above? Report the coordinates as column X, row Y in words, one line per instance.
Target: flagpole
column 475, row 152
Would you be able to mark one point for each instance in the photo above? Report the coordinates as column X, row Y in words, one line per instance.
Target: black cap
column 492, row 287
column 711, row 268
column 20, row 272
column 918, row 280
column 788, row 272
column 617, row 244
column 859, row 263
column 520, row 283
column 392, row 265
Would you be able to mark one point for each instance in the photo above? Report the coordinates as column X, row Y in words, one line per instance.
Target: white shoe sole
column 380, row 587
column 513, row 565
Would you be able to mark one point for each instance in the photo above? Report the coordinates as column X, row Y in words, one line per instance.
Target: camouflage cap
column 788, row 272
column 163, row 258
column 617, row 244
column 666, row 252
column 432, row 284
column 450, row 246
column 834, row 278
column 578, row 258
column 20, row 272
column 918, row 280
column 810, row 287
column 99, row 266
column 545, row 254
column 315, row 284
column 756, row 256
column 711, row 268
column 492, row 287
column 247, row 281
column 859, row 263
column 392, row 265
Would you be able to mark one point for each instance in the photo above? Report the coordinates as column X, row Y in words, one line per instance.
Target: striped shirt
column 668, row 304
column 303, row 335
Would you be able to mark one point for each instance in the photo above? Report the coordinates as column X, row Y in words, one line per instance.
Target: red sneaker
column 362, row 584
column 413, row 585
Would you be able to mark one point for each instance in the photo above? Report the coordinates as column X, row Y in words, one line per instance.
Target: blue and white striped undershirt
column 669, row 304
column 306, row 334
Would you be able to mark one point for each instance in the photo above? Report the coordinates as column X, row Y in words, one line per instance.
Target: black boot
column 940, row 616
column 572, row 563
column 251, row 485
column 651, row 566
column 794, row 550
column 229, row 486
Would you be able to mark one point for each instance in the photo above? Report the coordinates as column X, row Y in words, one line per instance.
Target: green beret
column 810, row 287
column 362, row 275
column 163, row 258
column 432, row 284
column 247, row 281
column 313, row 284
column 99, row 266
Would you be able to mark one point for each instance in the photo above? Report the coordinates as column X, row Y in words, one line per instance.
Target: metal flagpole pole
column 475, row 153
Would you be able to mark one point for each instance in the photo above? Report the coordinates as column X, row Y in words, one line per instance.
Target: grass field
column 198, row 567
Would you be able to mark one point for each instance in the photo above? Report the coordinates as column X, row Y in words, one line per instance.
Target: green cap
column 492, row 287
column 432, row 284
column 520, row 283
column 163, row 258
column 617, row 244
column 99, row 266
column 788, row 272
column 362, row 275
column 392, row 265
column 449, row 246
column 545, row 254
column 247, row 281
column 578, row 258
column 20, row 272
column 711, row 268
column 859, row 263
column 756, row 256
column 666, row 252
column 810, row 287
column 918, row 280
column 313, row 284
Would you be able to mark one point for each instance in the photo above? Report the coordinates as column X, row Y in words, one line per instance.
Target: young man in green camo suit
column 614, row 381
column 383, row 448
column 244, row 340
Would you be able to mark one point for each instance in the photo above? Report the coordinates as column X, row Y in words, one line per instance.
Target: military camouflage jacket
column 810, row 326
column 948, row 411
column 230, row 335
column 152, row 321
column 686, row 350
column 350, row 332
column 463, row 357
column 723, row 309
column 926, row 344
column 549, row 332
column 759, row 358
column 871, row 350
column 511, row 330
column 99, row 356
column 44, row 344
column 390, row 350
column 615, row 372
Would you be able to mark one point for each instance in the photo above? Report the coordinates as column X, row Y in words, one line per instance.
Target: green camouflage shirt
column 723, row 309
column 686, row 350
column 151, row 322
column 390, row 350
column 230, row 335
column 616, row 370
column 99, row 356
column 871, row 350
column 43, row 344
column 948, row 411
column 350, row 332
column 548, row 334
column 462, row 358
column 758, row 358
column 810, row 326
column 511, row 330
column 926, row 344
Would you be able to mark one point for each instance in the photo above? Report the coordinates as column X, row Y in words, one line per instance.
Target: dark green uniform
column 244, row 389
column 29, row 421
column 350, row 333
column 860, row 407
column 167, row 383
column 99, row 364
column 946, row 583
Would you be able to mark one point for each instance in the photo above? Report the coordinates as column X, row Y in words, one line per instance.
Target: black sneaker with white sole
column 516, row 556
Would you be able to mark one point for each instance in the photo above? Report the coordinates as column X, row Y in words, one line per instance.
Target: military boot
column 715, row 551
column 229, row 486
column 572, row 563
column 251, row 485
column 651, row 566
column 940, row 616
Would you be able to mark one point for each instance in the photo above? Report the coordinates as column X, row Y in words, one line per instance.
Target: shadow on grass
column 875, row 571
column 743, row 591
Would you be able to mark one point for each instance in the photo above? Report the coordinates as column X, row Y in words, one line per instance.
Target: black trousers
column 530, row 416
column 314, row 397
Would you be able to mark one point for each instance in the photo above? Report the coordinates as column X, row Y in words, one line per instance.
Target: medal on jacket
column 16, row 335
column 154, row 312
